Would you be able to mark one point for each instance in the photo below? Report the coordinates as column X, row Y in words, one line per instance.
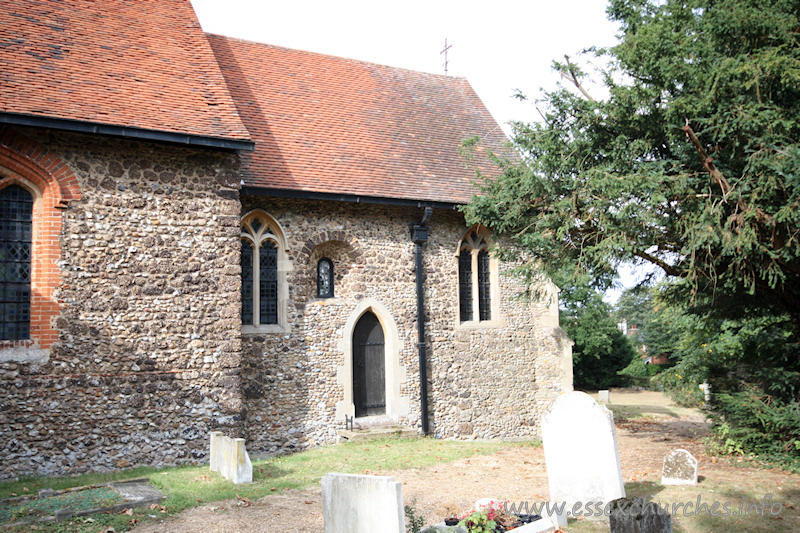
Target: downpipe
column 419, row 234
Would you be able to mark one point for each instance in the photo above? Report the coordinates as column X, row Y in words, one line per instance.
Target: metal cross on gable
column 444, row 51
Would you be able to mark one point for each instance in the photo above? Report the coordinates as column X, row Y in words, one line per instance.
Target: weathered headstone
column 354, row 503
column 580, row 451
column 680, row 468
column 603, row 396
column 636, row 516
column 229, row 457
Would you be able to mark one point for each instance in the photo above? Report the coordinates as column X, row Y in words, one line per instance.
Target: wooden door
column 369, row 369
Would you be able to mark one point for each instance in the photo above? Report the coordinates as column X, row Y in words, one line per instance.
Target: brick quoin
column 53, row 185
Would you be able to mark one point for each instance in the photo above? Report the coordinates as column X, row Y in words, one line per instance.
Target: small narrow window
column 325, row 278
column 465, row 285
column 16, row 235
column 475, row 277
column 268, row 283
column 484, row 293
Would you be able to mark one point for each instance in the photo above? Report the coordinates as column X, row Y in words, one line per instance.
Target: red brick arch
column 54, row 185
column 32, row 161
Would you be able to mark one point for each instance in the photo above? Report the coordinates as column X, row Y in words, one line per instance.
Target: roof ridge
column 333, row 56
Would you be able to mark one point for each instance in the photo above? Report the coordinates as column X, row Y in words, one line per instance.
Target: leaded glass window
column 484, row 296
column 325, row 278
column 475, row 276
column 16, row 232
column 261, row 279
column 268, row 283
column 465, row 285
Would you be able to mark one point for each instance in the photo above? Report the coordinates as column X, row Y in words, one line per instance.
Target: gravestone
column 603, row 396
column 637, row 516
column 580, row 451
column 680, row 468
column 353, row 503
column 229, row 457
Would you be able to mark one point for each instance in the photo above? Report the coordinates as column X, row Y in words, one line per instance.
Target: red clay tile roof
column 141, row 63
column 333, row 125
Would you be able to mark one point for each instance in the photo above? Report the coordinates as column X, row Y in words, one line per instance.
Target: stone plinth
column 230, row 459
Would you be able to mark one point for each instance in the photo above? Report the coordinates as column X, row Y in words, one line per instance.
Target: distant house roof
column 131, row 67
column 325, row 124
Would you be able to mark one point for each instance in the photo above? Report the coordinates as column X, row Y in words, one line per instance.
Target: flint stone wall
column 483, row 382
column 151, row 357
column 147, row 359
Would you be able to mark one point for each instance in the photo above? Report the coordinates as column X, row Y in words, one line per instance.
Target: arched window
column 325, row 278
column 476, row 301
column 263, row 282
column 16, row 236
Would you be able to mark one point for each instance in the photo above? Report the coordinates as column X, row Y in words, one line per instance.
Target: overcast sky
column 500, row 48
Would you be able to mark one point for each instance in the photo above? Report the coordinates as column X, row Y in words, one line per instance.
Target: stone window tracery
column 263, row 256
column 477, row 279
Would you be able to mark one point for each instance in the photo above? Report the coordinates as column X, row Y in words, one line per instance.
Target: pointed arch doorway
column 395, row 405
column 369, row 367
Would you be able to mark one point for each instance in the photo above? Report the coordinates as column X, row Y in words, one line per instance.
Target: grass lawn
column 629, row 404
column 189, row 486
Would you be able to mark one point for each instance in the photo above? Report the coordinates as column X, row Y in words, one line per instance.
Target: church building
column 201, row 233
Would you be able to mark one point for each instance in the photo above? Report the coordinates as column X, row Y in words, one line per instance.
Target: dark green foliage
column 640, row 371
column 414, row 522
column 752, row 365
column 691, row 163
column 603, row 181
column 601, row 350
column 749, row 422
column 655, row 321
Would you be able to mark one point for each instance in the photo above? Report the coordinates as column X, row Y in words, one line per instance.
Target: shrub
column 746, row 422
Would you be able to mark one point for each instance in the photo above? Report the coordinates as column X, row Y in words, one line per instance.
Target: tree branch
column 591, row 230
column 574, row 79
column 726, row 188
column 666, row 267
column 711, row 168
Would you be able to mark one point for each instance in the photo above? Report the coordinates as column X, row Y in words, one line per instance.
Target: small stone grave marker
column 580, row 451
column 637, row 516
column 229, row 457
column 680, row 468
column 603, row 396
column 353, row 503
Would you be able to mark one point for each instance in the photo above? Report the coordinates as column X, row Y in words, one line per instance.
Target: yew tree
column 689, row 159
